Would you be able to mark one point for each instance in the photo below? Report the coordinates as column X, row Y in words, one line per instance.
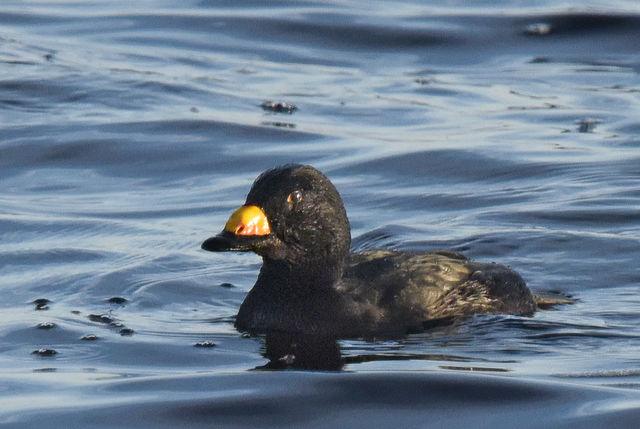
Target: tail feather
column 546, row 299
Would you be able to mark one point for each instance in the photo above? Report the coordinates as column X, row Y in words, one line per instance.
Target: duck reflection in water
column 312, row 290
column 290, row 350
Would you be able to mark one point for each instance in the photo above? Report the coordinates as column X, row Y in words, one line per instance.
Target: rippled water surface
column 129, row 131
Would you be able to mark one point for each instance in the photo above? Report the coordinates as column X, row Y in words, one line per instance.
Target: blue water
column 129, row 131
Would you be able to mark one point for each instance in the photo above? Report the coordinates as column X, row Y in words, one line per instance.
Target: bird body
column 310, row 282
column 384, row 292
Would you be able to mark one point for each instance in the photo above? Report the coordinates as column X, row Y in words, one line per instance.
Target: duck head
column 295, row 219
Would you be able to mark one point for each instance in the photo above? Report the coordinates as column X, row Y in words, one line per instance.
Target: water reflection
column 300, row 351
column 288, row 350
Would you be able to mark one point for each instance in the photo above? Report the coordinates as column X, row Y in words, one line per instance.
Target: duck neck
column 296, row 278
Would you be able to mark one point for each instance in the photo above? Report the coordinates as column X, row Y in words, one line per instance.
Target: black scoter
column 311, row 283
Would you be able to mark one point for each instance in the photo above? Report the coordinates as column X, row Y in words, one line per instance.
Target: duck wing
column 409, row 288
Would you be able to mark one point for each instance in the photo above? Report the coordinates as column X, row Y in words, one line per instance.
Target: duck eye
column 294, row 198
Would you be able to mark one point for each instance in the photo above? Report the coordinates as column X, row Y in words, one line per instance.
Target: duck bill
column 229, row 242
column 246, row 230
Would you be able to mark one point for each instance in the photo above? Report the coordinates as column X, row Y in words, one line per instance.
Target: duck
column 311, row 283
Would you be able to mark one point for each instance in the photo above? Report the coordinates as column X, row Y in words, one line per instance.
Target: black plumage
column 310, row 282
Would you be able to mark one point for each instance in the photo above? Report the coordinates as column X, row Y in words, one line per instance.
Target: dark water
column 130, row 130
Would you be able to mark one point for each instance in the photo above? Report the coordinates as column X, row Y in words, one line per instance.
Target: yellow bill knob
column 248, row 220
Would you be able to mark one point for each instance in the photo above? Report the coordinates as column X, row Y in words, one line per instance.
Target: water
column 129, row 132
